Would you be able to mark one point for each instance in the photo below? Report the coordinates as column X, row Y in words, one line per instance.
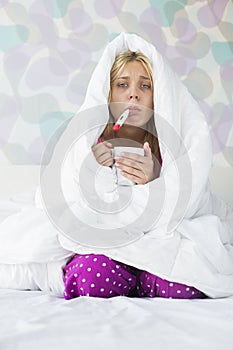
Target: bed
column 38, row 320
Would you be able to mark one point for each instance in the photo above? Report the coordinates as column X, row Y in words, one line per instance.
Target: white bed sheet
column 33, row 320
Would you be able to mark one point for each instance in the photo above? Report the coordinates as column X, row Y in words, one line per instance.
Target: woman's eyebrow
column 123, row 77
column 141, row 77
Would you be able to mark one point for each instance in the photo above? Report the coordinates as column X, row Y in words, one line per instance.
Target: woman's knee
column 97, row 276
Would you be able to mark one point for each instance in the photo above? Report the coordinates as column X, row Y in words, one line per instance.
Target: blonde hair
column 120, row 62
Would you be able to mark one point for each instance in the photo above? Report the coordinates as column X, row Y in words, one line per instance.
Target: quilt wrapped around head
column 170, row 226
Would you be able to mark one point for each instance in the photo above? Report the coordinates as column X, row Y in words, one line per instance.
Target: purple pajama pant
column 100, row 276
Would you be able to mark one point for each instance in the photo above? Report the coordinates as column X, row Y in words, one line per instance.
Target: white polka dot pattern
column 94, row 275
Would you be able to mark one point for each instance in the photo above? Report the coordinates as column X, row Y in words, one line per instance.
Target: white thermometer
column 120, row 121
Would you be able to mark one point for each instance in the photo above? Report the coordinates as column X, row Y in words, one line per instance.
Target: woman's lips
column 134, row 110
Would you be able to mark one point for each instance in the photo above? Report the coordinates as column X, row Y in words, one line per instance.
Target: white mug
column 120, row 179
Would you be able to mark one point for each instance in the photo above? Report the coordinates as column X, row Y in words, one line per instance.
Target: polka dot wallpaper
column 49, row 48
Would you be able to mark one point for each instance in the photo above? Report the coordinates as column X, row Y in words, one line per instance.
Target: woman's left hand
column 137, row 168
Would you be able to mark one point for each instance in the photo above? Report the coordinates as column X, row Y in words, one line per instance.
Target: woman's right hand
column 103, row 153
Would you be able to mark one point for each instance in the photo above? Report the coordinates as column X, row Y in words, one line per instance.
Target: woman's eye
column 122, row 85
column 145, row 86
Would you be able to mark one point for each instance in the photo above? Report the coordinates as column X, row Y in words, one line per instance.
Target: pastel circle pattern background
column 48, row 50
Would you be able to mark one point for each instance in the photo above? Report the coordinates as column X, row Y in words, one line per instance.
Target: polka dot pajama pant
column 97, row 275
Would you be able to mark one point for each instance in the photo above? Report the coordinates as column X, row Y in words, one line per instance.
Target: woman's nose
column 133, row 94
column 134, row 97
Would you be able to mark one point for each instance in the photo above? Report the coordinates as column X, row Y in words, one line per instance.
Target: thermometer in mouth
column 121, row 120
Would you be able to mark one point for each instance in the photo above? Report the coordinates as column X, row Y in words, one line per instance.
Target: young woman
column 131, row 87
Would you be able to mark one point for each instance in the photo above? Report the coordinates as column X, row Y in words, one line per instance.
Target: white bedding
column 34, row 320
column 38, row 320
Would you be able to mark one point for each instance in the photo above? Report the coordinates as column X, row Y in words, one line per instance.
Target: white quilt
column 169, row 227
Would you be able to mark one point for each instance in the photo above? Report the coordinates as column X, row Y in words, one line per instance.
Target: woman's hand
column 103, row 153
column 137, row 168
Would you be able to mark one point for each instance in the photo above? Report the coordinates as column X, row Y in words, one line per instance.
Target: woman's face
column 132, row 89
